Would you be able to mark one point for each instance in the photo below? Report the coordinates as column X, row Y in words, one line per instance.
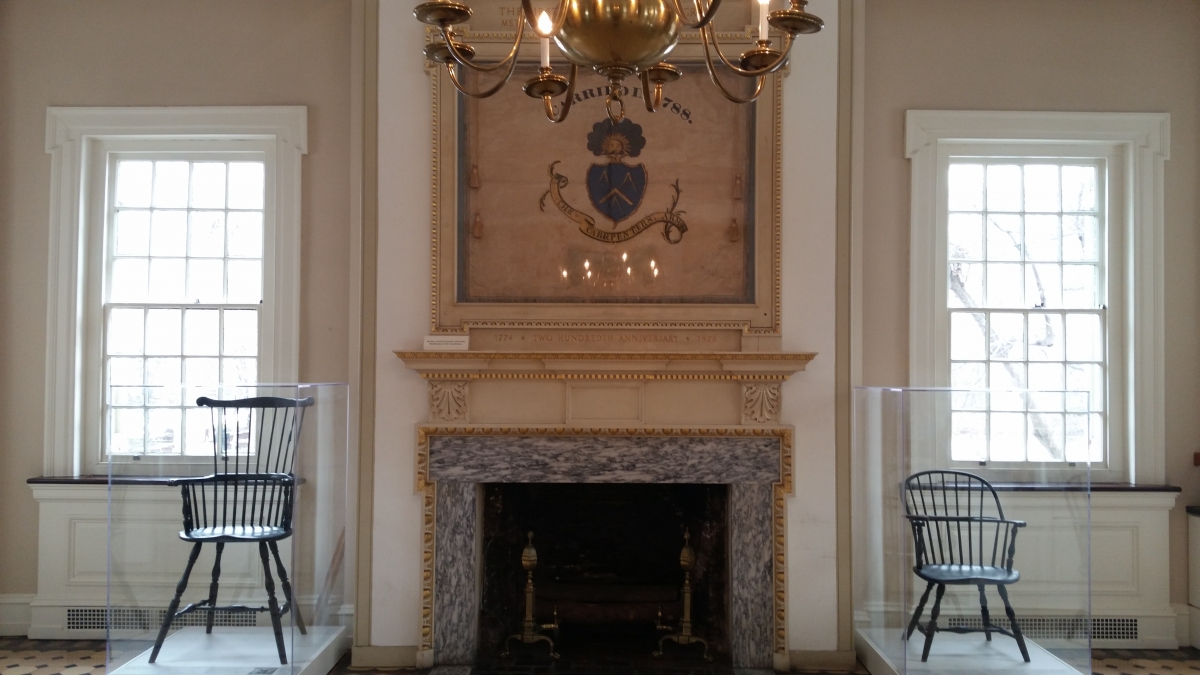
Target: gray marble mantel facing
column 756, row 463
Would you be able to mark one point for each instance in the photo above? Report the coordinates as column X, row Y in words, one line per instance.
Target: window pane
column 206, row 280
column 965, row 236
column 1008, row 437
column 1045, row 437
column 966, row 376
column 1004, row 237
column 1043, row 285
column 1046, row 376
column 241, row 332
column 1041, row 238
column 166, row 279
column 199, row 435
column 206, row 234
column 162, row 331
column 245, row 234
column 1007, row 337
column 125, row 330
column 1079, row 188
column 1083, row 337
column 125, row 382
column 168, row 234
column 133, row 183
column 965, row 285
column 1089, row 378
column 202, row 332
column 1007, row 376
column 968, row 440
column 967, row 336
column 170, row 185
column 1077, row 438
column 201, row 372
column 132, row 233
column 1041, row 187
column 126, row 431
column 1045, row 337
column 1005, row 285
column 128, row 280
column 239, row 371
column 1003, row 187
column 1081, row 238
column 1079, row 287
column 245, row 281
column 1096, row 427
column 163, row 432
column 208, row 185
column 163, row 380
column 245, row 185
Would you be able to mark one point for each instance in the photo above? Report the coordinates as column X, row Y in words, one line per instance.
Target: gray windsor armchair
column 249, row 498
column 961, row 538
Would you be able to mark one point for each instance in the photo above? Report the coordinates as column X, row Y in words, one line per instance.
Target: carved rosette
column 760, row 403
column 448, row 401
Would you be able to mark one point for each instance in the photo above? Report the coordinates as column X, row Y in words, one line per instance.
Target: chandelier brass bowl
column 617, row 39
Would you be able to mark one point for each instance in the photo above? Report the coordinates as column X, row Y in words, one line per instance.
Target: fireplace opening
column 608, row 560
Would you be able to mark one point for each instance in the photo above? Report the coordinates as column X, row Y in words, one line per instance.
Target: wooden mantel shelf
column 606, row 365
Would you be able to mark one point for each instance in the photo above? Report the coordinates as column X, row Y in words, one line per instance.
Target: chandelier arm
column 566, row 106
column 779, row 62
column 705, row 16
column 560, row 16
column 650, row 105
column 462, row 59
column 484, row 94
column 712, row 75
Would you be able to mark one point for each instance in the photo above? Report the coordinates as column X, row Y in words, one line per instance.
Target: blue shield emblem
column 616, row 190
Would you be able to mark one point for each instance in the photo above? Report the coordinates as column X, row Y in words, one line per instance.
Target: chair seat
column 230, row 533
column 967, row 574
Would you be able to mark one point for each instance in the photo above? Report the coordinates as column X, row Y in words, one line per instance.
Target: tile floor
column 19, row 656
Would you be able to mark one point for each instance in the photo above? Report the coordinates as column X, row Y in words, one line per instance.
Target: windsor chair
column 961, row 538
column 248, row 498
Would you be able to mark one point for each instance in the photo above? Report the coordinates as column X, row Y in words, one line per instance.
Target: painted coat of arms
column 616, row 189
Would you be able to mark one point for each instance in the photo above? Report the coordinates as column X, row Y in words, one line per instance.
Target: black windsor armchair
column 248, row 498
column 961, row 538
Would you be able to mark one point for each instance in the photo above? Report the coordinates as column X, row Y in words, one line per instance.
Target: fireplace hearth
column 608, row 563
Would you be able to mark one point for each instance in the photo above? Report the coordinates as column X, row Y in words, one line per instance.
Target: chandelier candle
column 544, row 27
column 762, row 19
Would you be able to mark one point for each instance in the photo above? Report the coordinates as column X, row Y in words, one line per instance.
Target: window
column 1036, row 258
column 183, row 258
column 174, row 261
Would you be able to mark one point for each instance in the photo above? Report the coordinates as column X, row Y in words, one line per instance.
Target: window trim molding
column 1143, row 139
column 71, row 134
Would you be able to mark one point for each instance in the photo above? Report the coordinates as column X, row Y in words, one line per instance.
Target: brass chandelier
column 618, row 39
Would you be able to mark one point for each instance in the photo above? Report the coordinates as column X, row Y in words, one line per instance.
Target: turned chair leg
column 987, row 620
column 287, row 589
column 1012, row 619
column 169, row 617
column 916, row 617
column 272, row 603
column 932, row 627
column 212, row 588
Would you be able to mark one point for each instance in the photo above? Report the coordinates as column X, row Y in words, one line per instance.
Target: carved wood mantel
column 724, row 388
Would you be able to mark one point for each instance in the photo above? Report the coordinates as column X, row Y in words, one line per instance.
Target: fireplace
column 693, row 437
column 608, row 564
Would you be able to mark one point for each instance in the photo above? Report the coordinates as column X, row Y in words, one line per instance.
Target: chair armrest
column 916, row 519
column 276, row 478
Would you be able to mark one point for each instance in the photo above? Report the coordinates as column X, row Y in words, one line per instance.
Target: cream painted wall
column 148, row 53
column 809, row 177
column 1068, row 55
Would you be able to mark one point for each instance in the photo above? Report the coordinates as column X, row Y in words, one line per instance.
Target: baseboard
column 15, row 613
column 1183, row 625
column 370, row 656
column 836, row 661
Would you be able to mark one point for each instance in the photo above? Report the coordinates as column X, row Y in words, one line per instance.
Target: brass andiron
column 529, row 630
column 687, row 558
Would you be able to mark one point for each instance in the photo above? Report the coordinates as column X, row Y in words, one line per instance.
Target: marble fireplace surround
column 604, row 418
column 755, row 463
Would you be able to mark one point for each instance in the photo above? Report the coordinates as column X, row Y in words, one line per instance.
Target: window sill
column 1075, row 487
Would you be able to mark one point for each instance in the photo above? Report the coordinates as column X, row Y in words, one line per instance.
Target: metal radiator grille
column 130, row 618
column 1058, row 627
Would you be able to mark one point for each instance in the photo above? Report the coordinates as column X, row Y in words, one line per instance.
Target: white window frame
column 78, row 139
column 1134, row 147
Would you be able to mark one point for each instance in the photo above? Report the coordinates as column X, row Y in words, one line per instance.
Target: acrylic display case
column 931, row 538
column 255, row 474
